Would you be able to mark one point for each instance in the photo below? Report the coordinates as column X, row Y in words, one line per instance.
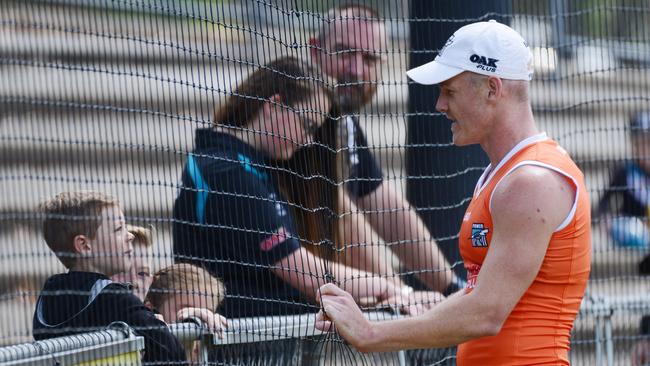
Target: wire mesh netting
column 225, row 159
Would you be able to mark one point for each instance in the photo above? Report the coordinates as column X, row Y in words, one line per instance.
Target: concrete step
column 133, row 153
column 143, row 33
column 173, row 88
column 149, row 188
column 189, row 32
column 145, row 190
column 28, row 125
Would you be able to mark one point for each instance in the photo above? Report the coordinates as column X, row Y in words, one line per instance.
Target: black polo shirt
column 365, row 174
column 230, row 218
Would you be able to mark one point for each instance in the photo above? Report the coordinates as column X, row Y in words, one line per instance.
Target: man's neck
column 507, row 134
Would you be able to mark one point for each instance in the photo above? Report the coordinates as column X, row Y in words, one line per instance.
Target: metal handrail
column 118, row 335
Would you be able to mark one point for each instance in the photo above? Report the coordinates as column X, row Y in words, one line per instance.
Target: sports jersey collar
column 489, row 172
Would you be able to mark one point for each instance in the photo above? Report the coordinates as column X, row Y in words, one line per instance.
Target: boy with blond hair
column 139, row 275
column 88, row 234
column 184, row 290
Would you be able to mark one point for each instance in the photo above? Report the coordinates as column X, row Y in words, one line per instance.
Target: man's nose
column 441, row 104
column 355, row 64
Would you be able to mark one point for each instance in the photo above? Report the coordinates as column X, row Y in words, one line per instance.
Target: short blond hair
column 141, row 235
column 69, row 214
column 184, row 278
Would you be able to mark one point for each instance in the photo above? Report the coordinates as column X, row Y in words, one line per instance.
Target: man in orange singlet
column 526, row 236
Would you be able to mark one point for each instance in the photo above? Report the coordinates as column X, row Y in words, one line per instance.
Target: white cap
column 487, row 48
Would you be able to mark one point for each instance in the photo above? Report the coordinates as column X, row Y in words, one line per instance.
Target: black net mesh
column 260, row 149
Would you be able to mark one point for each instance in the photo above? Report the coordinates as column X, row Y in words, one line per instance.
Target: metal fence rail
column 117, row 345
column 121, row 340
column 603, row 308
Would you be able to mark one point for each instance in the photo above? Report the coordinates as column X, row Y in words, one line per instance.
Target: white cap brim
column 433, row 73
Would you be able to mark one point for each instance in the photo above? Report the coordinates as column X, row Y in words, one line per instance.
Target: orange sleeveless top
column 537, row 330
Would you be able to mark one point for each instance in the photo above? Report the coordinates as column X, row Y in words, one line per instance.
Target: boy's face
column 173, row 303
column 139, row 274
column 111, row 248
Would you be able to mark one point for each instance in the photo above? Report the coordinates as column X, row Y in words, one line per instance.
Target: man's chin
column 352, row 98
column 351, row 103
column 457, row 141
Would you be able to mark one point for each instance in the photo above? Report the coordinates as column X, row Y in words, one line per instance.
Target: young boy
column 182, row 291
column 139, row 275
column 87, row 232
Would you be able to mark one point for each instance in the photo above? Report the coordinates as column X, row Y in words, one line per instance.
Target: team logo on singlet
column 479, row 235
column 472, row 274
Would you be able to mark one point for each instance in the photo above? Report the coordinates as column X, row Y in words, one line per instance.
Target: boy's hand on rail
column 215, row 322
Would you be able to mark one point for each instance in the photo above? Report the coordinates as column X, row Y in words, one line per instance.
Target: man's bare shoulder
column 534, row 191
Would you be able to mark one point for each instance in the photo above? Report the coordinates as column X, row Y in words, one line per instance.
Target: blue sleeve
column 365, row 174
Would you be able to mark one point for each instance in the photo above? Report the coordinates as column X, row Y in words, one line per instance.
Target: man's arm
column 393, row 218
column 364, row 249
column 527, row 207
column 306, row 272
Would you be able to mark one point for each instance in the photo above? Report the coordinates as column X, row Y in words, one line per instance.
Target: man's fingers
column 323, row 322
column 368, row 301
column 324, row 325
column 330, row 307
column 332, row 290
column 321, row 316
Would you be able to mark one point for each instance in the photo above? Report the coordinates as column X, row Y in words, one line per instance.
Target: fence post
column 440, row 176
column 559, row 43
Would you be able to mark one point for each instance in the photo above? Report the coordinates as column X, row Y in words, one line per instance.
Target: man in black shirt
column 349, row 48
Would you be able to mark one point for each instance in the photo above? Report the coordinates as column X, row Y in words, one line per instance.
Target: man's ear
column 495, row 87
column 148, row 305
column 81, row 244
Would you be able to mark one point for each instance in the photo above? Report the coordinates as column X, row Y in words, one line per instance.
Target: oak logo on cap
column 484, row 63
